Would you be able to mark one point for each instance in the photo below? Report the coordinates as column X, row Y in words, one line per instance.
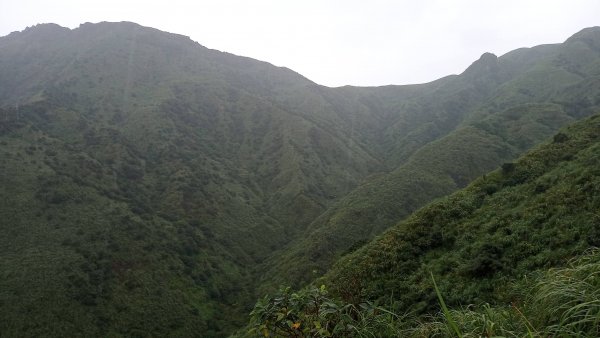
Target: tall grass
column 447, row 314
column 562, row 302
column 566, row 302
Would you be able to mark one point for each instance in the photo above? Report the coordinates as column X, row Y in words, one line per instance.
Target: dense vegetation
column 486, row 245
column 151, row 186
column 502, row 107
column 535, row 213
column 559, row 302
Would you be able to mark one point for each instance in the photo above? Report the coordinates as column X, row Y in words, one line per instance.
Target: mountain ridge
column 544, row 174
column 496, row 131
column 132, row 153
column 479, row 251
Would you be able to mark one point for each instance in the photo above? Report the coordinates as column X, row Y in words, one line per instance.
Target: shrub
column 311, row 313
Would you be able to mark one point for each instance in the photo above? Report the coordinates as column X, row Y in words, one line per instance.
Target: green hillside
column 486, row 248
column 149, row 175
column 531, row 214
column 152, row 186
column 521, row 99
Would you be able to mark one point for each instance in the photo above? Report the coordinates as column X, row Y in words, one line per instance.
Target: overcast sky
column 334, row 43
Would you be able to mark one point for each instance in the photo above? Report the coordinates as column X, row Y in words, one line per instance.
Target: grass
column 559, row 302
column 447, row 313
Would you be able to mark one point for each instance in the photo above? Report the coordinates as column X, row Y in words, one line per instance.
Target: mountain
column 153, row 186
column 531, row 214
column 147, row 175
column 490, row 114
column 512, row 254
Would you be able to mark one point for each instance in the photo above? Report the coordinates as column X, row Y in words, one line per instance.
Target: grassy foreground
column 561, row 302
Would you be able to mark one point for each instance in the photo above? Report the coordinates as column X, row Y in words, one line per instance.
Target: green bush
column 312, row 313
column 563, row 302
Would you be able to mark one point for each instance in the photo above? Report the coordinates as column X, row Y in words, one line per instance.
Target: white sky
column 334, row 43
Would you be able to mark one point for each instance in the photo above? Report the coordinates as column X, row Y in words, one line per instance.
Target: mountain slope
column 541, row 92
column 138, row 162
column 150, row 184
column 531, row 214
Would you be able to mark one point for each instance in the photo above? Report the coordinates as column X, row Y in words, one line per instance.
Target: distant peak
column 595, row 30
column 42, row 31
column 111, row 24
column 589, row 36
column 487, row 63
column 488, row 57
column 46, row 27
column 121, row 27
column 106, row 25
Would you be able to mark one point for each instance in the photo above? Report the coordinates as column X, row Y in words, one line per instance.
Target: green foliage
column 477, row 238
column 563, row 302
column 150, row 185
column 312, row 313
column 566, row 302
column 446, row 312
column 559, row 302
column 492, row 113
column 152, row 175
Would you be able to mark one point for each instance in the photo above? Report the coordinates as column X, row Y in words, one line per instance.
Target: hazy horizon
column 337, row 43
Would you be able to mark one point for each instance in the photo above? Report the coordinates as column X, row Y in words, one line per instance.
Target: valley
column 154, row 187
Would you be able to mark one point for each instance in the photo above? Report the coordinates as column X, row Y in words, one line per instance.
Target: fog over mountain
column 155, row 187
